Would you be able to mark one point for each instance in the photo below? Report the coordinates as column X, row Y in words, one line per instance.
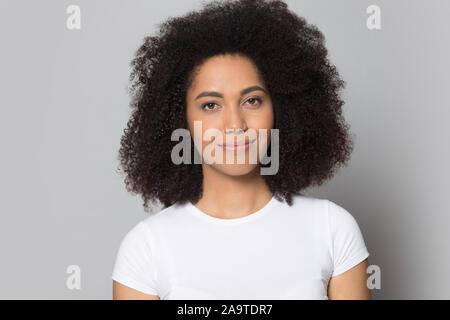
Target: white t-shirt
column 277, row 252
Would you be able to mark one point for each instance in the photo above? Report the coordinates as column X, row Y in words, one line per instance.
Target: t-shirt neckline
column 252, row 216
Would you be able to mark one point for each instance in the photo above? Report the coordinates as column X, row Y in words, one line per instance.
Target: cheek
column 263, row 120
column 264, row 123
column 192, row 115
column 199, row 132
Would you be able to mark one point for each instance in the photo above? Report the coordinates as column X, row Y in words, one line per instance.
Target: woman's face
column 227, row 95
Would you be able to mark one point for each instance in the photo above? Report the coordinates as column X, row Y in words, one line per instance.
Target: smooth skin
column 230, row 190
column 122, row 292
column 237, row 190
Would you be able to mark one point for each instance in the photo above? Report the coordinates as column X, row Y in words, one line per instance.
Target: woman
column 228, row 230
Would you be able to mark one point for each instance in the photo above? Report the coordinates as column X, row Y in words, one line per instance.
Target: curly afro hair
column 292, row 60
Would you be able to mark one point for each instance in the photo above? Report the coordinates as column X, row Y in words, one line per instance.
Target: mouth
column 237, row 145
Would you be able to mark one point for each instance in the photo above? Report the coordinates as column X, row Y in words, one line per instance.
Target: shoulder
column 340, row 218
column 142, row 232
column 166, row 217
column 348, row 245
column 136, row 239
column 139, row 244
column 309, row 204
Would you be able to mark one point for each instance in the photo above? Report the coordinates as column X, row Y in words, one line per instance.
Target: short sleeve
column 348, row 246
column 134, row 265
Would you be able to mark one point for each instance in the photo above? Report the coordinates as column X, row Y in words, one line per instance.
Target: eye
column 254, row 101
column 206, row 106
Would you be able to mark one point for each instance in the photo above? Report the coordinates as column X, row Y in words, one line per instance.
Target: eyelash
column 252, row 98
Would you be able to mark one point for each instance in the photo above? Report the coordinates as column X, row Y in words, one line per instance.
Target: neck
column 228, row 197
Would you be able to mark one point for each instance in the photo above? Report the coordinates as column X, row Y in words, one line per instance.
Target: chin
column 235, row 169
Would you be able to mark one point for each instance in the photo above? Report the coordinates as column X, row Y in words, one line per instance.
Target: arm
column 350, row 285
column 122, row 292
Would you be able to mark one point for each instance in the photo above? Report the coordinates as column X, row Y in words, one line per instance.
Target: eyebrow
column 218, row 94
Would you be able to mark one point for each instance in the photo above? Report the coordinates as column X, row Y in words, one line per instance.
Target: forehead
column 225, row 73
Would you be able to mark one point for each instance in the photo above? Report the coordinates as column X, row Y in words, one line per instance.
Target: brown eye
column 254, row 101
column 207, row 106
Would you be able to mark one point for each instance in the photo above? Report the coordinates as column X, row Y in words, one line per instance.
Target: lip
column 237, row 146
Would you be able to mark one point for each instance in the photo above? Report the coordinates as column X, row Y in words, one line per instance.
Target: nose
column 235, row 121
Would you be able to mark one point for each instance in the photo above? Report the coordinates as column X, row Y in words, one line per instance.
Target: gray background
column 64, row 106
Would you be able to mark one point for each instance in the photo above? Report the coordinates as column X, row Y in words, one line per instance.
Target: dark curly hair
column 292, row 60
